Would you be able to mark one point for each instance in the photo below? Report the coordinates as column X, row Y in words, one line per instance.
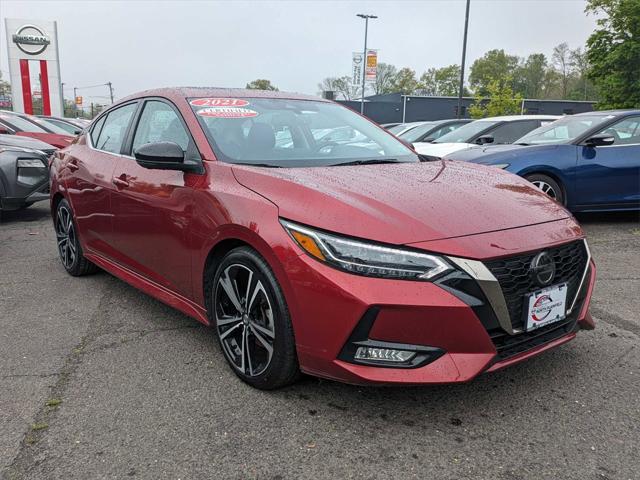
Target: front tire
column 548, row 185
column 69, row 247
column 249, row 312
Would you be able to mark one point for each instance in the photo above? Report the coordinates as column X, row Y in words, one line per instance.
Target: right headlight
column 364, row 258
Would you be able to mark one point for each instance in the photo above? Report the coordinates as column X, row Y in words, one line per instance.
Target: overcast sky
column 139, row 45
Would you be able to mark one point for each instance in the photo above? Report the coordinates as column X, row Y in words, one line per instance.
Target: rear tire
column 549, row 186
column 247, row 308
column 68, row 242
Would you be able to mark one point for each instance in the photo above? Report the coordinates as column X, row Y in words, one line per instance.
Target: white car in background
column 493, row 130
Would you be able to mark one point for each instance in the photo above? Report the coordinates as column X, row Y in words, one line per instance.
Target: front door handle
column 121, row 181
column 72, row 165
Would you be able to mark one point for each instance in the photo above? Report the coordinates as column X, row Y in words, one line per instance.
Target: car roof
column 511, row 118
column 630, row 111
column 214, row 92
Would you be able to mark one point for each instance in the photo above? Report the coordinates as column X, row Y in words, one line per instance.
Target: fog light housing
column 375, row 354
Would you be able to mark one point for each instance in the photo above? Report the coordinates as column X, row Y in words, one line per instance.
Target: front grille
column 516, row 280
column 509, row 345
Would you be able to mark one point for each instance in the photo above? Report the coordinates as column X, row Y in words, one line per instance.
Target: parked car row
column 24, row 171
column 587, row 162
column 313, row 241
column 26, row 143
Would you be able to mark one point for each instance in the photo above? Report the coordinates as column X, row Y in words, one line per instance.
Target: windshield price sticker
column 227, row 112
column 219, row 102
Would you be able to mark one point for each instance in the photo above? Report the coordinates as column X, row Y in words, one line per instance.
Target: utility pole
column 75, row 104
column 464, row 55
column 110, row 91
column 364, row 57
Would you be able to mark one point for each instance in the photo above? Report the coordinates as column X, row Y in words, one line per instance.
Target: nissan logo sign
column 543, row 268
column 31, row 40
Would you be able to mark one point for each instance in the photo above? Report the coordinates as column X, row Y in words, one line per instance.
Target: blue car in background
column 588, row 162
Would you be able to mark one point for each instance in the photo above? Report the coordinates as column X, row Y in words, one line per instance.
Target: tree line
column 563, row 75
column 606, row 70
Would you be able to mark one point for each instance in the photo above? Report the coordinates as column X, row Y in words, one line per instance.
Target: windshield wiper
column 267, row 165
column 370, row 161
column 523, row 144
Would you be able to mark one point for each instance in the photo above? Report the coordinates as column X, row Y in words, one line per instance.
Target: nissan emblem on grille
column 543, row 268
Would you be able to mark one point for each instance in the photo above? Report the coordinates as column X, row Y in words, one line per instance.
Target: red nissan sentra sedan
column 314, row 241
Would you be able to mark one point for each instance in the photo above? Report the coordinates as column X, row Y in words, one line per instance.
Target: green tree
column 530, row 76
column 561, row 59
column 341, row 86
column 261, row 84
column 405, row 81
column 385, row 78
column 613, row 51
column 443, row 81
column 495, row 65
column 582, row 88
column 501, row 100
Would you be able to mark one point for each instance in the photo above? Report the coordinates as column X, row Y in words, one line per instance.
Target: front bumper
column 330, row 306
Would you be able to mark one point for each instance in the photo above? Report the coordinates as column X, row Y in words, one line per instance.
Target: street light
column 464, row 54
column 364, row 56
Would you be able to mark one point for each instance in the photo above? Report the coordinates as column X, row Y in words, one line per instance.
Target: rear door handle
column 72, row 165
column 121, row 181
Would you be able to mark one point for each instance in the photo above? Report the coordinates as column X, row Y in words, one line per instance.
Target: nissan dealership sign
column 31, row 40
column 34, row 67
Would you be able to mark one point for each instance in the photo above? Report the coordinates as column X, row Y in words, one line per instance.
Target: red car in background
column 29, row 126
column 339, row 255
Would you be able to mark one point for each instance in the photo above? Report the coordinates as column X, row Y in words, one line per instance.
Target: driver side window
column 625, row 132
column 160, row 123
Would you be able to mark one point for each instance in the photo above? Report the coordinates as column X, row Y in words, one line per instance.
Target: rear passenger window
column 512, row 131
column 115, row 126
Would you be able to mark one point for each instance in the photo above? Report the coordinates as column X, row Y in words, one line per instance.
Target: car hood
column 402, row 203
column 488, row 155
column 440, row 149
column 24, row 142
column 55, row 139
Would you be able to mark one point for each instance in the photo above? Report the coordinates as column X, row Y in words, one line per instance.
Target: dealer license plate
column 546, row 306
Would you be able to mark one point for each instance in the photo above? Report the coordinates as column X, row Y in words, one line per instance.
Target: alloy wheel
column 66, row 237
column 546, row 188
column 244, row 319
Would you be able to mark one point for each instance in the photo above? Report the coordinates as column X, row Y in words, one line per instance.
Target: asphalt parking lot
column 98, row 380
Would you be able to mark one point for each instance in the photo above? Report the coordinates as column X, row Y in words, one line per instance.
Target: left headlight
column 364, row 258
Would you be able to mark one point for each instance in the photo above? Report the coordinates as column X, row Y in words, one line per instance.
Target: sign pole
column 364, row 57
column 464, row 55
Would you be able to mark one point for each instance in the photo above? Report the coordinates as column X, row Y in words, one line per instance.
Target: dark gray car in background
column 24, row 171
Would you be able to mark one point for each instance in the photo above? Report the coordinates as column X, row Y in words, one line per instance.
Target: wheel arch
column 551, row 173
column 233, row 236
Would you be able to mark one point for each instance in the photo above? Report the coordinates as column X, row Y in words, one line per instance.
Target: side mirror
column 160, row 155
column 599, row 140
column 483, row 140
column 428, row 140
column 77, row 132
column 4, row 130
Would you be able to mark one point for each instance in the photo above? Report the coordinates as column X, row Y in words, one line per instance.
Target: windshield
column 465, row 133
column 564, row 130
column 415, row 133
column 398, row 128
column 22, row 124
column 53, row 128
column 61, row 126
column 294, row 133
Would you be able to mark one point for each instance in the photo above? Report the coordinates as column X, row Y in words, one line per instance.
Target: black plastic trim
column 360, row 338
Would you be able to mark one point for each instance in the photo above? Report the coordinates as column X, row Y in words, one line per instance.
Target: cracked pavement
column 99, row 381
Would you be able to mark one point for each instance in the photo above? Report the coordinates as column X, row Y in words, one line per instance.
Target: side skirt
column 156, row 291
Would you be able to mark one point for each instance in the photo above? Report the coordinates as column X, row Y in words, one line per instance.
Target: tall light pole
column 364, row 56
column 464, row 55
